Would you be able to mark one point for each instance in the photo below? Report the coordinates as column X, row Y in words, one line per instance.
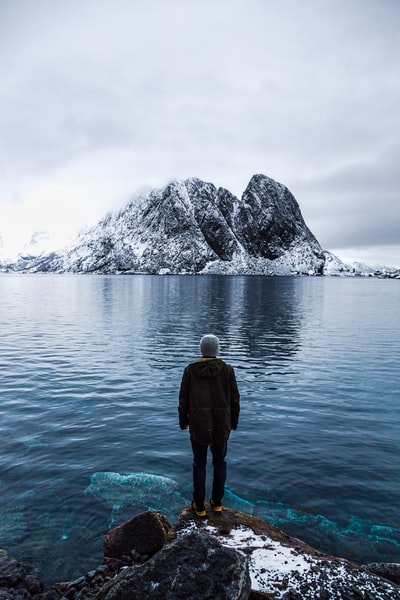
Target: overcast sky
column 102, row 97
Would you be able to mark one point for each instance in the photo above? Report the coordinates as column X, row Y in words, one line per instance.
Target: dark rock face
column 16, row 580
column 213, row 213
column 269, row 221
column 140, row 537
column 194, row 566
column 192, row 227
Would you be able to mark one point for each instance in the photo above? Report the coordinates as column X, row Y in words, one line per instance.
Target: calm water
column 90, row 368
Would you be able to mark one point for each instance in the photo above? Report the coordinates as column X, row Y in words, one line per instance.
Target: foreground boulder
column 195, row 565
column 139, row 538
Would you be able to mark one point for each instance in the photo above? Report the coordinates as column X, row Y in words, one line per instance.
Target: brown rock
column 140, row 537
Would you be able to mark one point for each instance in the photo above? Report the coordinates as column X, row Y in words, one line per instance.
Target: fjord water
column 90, row 368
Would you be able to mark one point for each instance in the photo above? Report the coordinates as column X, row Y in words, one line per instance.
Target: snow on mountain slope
column 191, row 226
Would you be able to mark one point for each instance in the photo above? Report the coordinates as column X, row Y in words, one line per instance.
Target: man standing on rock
column 209, row 404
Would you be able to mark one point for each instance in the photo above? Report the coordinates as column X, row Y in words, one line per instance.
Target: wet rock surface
column 228, row 555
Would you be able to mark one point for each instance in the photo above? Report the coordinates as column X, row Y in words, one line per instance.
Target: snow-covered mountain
column 191, row 226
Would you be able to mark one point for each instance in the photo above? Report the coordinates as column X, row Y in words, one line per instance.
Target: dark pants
column 199, row 472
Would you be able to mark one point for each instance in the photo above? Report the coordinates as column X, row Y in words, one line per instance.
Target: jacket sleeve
column 235, row 399
column 183, row 408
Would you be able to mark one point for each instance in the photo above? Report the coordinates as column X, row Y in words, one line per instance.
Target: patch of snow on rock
column 275, row 569
column 270, row 561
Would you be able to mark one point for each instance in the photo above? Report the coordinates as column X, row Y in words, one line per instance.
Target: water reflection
column 257, row 318
column 152, row 323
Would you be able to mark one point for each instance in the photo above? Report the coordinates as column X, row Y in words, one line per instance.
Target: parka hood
column 207, row 367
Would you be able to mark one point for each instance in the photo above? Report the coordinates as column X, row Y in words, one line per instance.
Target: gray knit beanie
column 209, row 345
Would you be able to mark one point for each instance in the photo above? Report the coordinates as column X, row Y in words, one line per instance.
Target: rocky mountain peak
column 190, row 226
column 270, row 220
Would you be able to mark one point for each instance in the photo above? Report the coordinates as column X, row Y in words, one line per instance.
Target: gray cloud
column 100, row 98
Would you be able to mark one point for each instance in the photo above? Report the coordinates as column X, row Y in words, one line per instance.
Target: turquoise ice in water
column 90, row 368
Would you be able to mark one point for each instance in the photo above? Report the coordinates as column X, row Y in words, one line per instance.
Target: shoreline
column 263, row 562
